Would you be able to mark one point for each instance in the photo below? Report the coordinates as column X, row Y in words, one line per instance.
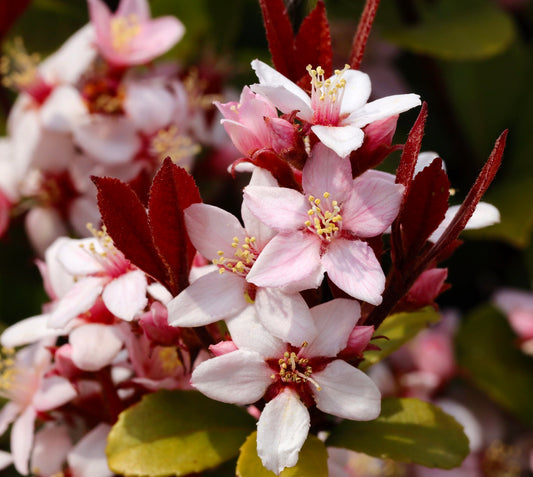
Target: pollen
column 325, row 220
column 295, row 369
column 172, row 143
column 123, row 31
column 243, row 257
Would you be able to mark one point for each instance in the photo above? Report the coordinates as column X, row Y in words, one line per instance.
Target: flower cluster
column 272, row 310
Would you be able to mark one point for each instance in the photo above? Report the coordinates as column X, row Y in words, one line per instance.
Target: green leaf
column 408, row 430
column 312, row 460
column 399, row 328
column 456, row 30
column 486, row 350
column 176, row 433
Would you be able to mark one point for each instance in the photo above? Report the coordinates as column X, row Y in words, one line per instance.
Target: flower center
column 17, row 383
column 295, row 369
column 112, row 260
column 169, row 142
column 242, row 260
column 19, row 71
column 103, row 95
column 123, row 30
column 326, row 95
column 324, row 217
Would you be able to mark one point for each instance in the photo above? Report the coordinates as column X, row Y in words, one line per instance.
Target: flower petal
column 54, row 392
column 77, row 259
column 325, row 171
column 125, row 296
column 94, row 346
column 210, row 298
column 22, row 439
column 284, row 315
column 282, row 209
column 334, row 320
column 212, row 229
column 341, row 139
column 88, row 458
column 382, row 108
column 28, row 331
column 373, row 206
column 239, row 377
column 356, row 91
column 248, row 333
column 288, row 260
column 281, row 431
column 353, row 267
column 347, row 392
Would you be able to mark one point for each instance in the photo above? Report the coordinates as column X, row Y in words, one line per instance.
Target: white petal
column 94, row 346
column 76, row 258
column 281, row 431
column 54, row 392
column 424, row 159
column 43, row 461
column 284, row 315
column 22, row 439
column 334, row 320
column 79, row 299
column 125, row 296
column 88, row 458
column 6, row 459
column 356, row 91
column 239, row 377
column 210, row 298
column 62, row 108
column 382, row 108
column 341, row 139
column 28, row 331
column 347, row 392
column 248, row 333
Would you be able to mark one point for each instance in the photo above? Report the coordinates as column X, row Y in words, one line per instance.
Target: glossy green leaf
column 486, row 350
column 176, row 433
column 312, row 461
column 408, row 430
column 455, row 29
column 399, row 328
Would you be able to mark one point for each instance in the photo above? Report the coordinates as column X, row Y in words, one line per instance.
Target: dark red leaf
column 312, row 45
column 424, row 208
column 467, row 208
column 280, row 169
column 173, row 190
column 9, row 12
column 362, row 33
column 280, row 36
column 127, row 224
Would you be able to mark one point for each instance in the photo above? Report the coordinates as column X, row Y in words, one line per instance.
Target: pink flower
column 129, row 37
column 518, row 306
column 291, row 379
column 337, row 108
column 322, row 229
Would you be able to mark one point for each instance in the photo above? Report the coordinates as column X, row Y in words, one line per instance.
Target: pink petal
column 28, row 331
column 94, row 346
column 248, row 333
column 6, row 459
column 125, row 296
column 101, row 20
column 53, row 393
column 373, row 206
column 288, row 260
column 282, row 209
column 212, row 229
column 347, row 392
column 341, row 139
column 22, row 439
column 281, row 431
column 50, row 438
column 325, row 171
column 88, row 458
column 382, row 108
column 353, row 267
column 210, row 298
column 244, row 139
column 79, row 299
column 334, row 320
column 284, row 315
column 356, row 91
column 240, row 377
column 9, row 412
column 138, row 8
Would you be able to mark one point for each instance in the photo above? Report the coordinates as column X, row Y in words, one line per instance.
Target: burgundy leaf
column 424, row 208
column 9, row 12
column 312, row 45
column 280, row 36
column 280, row 169
column 362, row 33
column 127, row 224
column 173, row 190
column 467, row 208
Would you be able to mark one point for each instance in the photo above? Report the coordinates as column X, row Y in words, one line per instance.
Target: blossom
column 291, row 379
column 100, row 270
column 128, row 36
column 337, row 107
column 518, row 306
column 225, row 291
column 323, row 228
